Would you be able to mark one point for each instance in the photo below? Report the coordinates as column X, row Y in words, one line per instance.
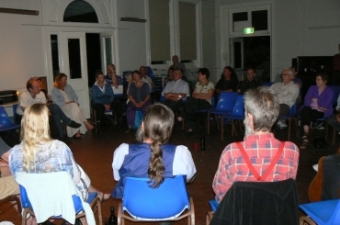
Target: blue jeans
column 58, row 116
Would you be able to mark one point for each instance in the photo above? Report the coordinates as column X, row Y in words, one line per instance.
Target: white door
column 107, row 50
column 73, row 62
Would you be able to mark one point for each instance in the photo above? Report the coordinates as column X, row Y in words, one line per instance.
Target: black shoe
column 74, row 124
column 64, row 139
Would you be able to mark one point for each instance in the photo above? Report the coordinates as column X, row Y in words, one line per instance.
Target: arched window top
column 80, row 12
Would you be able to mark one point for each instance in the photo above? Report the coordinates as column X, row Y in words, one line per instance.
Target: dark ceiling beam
column 19, row 11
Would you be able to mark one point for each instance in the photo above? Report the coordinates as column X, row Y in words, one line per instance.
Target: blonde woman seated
column 65, row 97
column 38, row 153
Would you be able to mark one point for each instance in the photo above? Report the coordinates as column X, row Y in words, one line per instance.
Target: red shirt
column 261, row 149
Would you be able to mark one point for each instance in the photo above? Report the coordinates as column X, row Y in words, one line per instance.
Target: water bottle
column 202, row 142
column 112, row 218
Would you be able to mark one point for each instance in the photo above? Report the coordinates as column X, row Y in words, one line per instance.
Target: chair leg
column 208, row 217
column 289, row 126
column 208, row 122
column 217, row 122
column 119, row 214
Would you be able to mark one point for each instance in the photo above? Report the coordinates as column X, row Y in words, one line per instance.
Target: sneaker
column 319, row 126
column 281, row 125
column 315, row 167
column 74, row 124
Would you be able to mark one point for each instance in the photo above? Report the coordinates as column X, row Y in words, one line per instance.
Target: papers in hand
column 118, row 90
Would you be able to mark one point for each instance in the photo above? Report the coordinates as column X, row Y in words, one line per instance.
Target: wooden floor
column 94, row 152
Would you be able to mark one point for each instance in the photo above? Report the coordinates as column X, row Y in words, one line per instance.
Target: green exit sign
column 248, row 30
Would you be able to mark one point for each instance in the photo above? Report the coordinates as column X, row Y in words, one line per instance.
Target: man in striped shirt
column 259, row 145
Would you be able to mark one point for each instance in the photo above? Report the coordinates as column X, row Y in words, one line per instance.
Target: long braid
column 156, row 165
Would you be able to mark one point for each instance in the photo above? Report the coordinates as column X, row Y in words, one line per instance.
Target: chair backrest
column 15, row 106
column 238, row 109
column 142, row 201
column 58, row 197
column 4, row 119
column 226, row 101
column 267, row 84
column 259, row 203
column 292, row 111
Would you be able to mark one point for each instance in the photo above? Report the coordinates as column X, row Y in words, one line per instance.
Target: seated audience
column 66, row 98
column 111, row 75
column 298, row 82
column 228, row 81
column 176, row 91
column 177, row 63
column 170, row 76
column 32, row 95
column 334, row 120
column 145, row 78
column 153, row 157
column 102, row 99
column 38, row 153
column 249, row 82
column 200, row 99
column 317, row 104
column 139, row 98
column 259, row 146
column 287, row 91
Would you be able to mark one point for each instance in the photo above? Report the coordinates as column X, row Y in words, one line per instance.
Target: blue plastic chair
column 5, row 122
column 164, row 203
column 322, row 213
column 236, row 114
column 138, row 119
column 292, row 116
column 224, row 105
column 63, row 180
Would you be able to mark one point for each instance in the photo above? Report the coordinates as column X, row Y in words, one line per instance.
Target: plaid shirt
column 261, row 149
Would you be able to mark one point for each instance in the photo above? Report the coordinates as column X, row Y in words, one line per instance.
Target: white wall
column 21, row 54
column 131, row 35
column 312, row 28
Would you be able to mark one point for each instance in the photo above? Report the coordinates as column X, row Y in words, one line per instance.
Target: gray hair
column 263, row 104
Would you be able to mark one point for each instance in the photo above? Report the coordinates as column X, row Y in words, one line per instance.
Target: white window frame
column 249, row 9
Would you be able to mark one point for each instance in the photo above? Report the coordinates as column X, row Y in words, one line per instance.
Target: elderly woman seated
column 65, row 97
column 139, row 98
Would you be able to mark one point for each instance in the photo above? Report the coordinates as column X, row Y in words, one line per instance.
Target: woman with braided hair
column 153, row 157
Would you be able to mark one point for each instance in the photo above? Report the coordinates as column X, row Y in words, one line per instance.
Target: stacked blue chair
column 224, row 105
column 235, row 115
column 142, row 203
column 6, row 124
column 321, row 213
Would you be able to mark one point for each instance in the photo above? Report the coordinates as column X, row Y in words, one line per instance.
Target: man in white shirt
column 288, row 92
column 145, row 78
column 33, row 95
column 176, row 91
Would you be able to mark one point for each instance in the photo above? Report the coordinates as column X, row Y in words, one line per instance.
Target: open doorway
column 94, row 61
column 252, row 52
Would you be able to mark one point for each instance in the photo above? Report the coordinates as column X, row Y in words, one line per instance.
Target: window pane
column 241, row 16
column 55, row 55
column 240, row 21
column 108, row 50
column 81, row 12
column 259, row 20
column 238, row 54
column 187, row 24
column 159, row 30
column 74, row 58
